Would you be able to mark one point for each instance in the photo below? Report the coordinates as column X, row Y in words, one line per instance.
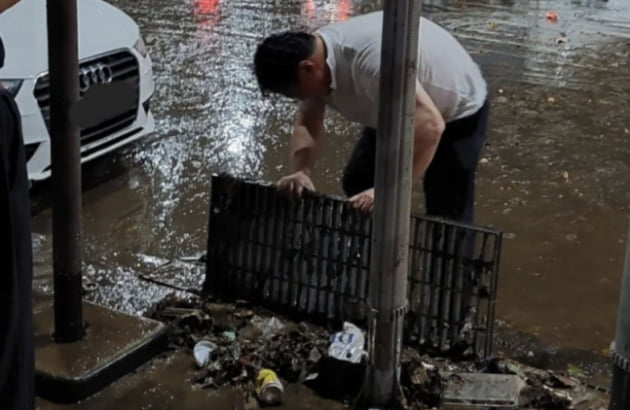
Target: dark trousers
column 16, row 266
column 449, row 183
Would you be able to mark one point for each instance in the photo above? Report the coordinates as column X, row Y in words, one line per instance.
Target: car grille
column 124, row 67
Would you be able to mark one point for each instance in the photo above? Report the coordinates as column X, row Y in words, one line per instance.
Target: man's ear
column 307, row 66
column 5, row 4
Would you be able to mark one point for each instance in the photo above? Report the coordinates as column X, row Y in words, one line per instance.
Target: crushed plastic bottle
column 272, row 327
column 348, row 345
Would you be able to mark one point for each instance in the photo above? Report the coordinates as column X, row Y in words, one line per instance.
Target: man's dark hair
column 277, row 59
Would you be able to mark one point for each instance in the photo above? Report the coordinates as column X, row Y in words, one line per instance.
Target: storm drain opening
column 311, row 259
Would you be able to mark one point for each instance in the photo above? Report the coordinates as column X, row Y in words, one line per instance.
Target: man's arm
column 428, row 128
column 307, row 132
column 429, row 123
column 5, row 4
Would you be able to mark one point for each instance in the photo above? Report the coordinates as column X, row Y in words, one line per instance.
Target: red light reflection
column 205, row 7
column 344, row 7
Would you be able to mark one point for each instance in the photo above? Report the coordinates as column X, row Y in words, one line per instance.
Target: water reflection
column 208, row 14
column 309, row 9
column 321, row 12
column 344, row 8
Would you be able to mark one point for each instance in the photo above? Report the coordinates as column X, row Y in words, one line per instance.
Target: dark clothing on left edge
column 16, row 267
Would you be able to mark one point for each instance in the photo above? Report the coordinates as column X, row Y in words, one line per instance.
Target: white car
column 111, row 49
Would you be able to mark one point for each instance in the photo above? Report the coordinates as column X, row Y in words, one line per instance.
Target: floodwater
column 554, row 176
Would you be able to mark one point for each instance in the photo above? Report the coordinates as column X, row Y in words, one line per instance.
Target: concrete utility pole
column 620, row 393
column 66, row 169
column 390, row 229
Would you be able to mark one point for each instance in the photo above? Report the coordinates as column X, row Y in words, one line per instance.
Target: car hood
column 101, row 28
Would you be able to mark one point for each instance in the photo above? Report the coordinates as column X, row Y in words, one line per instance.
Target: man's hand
column 364, row 201
column 293, row 185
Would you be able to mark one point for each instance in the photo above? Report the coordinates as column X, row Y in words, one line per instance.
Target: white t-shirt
column 445, row 69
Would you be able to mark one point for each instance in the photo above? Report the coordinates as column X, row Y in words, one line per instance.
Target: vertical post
column 390, row 230
column 66, row 169
column 620, row 393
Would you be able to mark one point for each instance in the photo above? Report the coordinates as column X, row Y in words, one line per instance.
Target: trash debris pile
column 231, row 343
column 421, row 382
column 429, row 382
column 237, row 345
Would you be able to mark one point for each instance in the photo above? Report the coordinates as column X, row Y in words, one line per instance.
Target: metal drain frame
column 310, row 259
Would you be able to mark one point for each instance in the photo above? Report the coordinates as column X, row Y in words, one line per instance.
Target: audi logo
column 94, row 74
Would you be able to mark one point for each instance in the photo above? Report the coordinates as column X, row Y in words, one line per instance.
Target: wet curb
column 115, row 344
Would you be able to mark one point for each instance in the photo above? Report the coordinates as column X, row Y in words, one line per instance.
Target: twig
column 168, row 285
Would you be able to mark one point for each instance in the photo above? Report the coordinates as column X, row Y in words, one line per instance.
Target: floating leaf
column 574, row 371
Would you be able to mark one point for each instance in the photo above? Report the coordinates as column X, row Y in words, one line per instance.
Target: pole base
column 620, row 389
column 365, row 401
column 114, row 345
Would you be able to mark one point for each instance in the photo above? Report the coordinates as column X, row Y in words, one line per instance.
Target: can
column 269, row 388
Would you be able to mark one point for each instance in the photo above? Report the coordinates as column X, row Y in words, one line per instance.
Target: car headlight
column 141, row 47
column 13, row 86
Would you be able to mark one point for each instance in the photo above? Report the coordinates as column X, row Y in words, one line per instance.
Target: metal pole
column 66, row 169
column 620, row 392
column 390, row 230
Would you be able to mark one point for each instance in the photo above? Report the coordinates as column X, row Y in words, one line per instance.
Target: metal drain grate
column 311, row 258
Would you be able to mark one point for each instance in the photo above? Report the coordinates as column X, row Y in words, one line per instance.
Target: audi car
column 111, row 52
